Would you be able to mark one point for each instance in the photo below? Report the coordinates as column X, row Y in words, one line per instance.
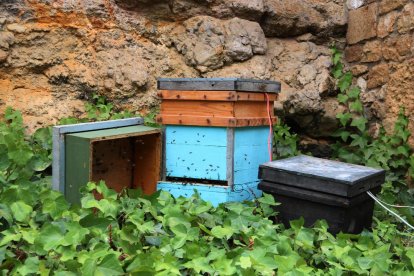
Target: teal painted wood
column 195, row 135
column 247, row 191
column 232, row 154
column 191, row 161
column 250, row 151
column 214, row 194
column 250, row 157
column 196, row 152
column 245, row 176
column 251, row 136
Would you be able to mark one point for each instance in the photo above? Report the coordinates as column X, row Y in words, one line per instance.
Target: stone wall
column 56, row 54
column 380, row 52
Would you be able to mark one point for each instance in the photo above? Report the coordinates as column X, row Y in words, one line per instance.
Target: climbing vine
column 389, row 151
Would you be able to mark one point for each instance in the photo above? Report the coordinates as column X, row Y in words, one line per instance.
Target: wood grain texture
column 147, row 162
column 227, row 96
column 213, row 121
column 197, row 108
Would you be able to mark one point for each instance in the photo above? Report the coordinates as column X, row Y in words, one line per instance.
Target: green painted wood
column 77, row 160
column 97, row 134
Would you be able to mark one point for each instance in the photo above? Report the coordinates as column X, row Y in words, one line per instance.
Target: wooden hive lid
column 327, row 176
column 219, row 84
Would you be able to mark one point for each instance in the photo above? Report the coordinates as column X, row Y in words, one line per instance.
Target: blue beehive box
column 216, row 136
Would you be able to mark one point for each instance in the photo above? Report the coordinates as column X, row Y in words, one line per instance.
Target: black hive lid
column 327, row 176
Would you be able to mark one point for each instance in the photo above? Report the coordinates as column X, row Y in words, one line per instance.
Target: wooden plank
column 247, row 191
column 196, row 135
column 112, row 161
column 246, row 96
column 77, row 164
column 232, row 84
column 214, row 194
column 147, row 158
column 246, row 176
column 251, row 109
column 251, row 136
column 230, row 156
column 196, row 161
column 197, row 108
column 231, row 96
column 197, row 95
column 213, row 121
column 247, row 157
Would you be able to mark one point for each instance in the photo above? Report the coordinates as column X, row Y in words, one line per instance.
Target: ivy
column 284, row 141
column 389, row 151
column 130, row 234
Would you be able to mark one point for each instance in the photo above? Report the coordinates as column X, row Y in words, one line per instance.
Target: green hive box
column 125, row 157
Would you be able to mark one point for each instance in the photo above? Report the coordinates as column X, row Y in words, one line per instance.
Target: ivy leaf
column 89, row 267
column 342, row 98
column 21, row 211
column 31, row 266
column 109, row 266
column 344, row 135
column 55, row 207
column 344, row 118
column 354, row 93
column 337, row 71
column 50, row 237
column 403, row 150
column 410, row 255
column 337, row 56
column 345, row 81
column 224, row 266
column 222, row 232
column 356, row 106
column 245, row 262
column 21, row 155
column 360, row 123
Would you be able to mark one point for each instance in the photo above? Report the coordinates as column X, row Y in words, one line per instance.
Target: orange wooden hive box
column 223, row 102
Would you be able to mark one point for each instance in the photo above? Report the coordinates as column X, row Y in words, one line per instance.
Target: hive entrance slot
column 197, row 181
column 131, row 162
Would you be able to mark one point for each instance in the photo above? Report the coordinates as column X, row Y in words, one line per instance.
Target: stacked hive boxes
column 216, row 136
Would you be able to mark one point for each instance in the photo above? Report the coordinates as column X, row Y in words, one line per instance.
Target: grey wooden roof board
column 219, row 84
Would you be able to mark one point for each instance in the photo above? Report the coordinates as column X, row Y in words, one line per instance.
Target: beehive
column 315, row 188
column 216, row 136
column 124, row 157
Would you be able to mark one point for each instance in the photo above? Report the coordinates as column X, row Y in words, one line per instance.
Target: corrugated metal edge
column 58, row 151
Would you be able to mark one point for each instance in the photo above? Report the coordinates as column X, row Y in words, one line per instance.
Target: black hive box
column 315, row 188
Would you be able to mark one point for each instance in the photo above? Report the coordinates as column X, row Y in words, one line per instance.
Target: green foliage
column 22, row 158
column 127, row 233
column 284, row 142
column 389, row 151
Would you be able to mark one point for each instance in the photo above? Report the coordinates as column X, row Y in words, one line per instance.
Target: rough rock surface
column 56, row 54
column 383, row 59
